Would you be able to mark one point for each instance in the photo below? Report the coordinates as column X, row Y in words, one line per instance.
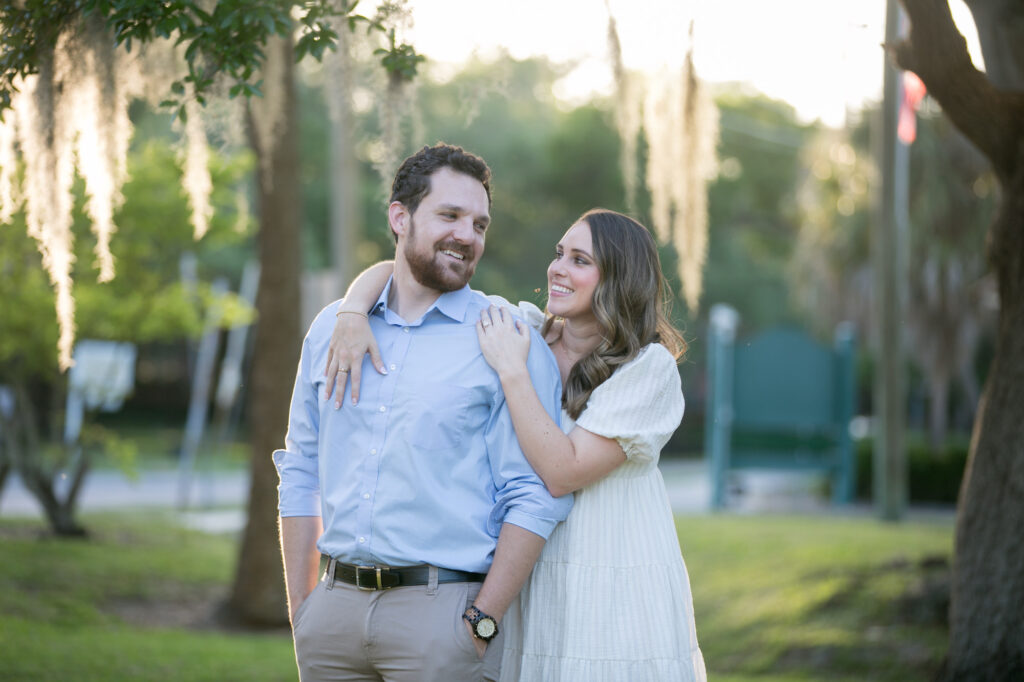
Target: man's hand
column 295, row 609
column 481, row 645
column 301, row 558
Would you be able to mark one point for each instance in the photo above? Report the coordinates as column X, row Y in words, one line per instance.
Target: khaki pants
column 405, row 634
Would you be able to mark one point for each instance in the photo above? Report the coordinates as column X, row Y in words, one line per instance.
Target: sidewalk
column 217, row 499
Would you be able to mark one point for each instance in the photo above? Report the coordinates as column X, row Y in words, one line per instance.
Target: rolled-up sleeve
column 298, row 464
column 521, row 498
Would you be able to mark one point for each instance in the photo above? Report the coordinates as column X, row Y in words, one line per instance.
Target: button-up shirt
column 426, row 468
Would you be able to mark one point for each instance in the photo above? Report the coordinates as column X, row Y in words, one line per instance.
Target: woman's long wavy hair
column 631, row 303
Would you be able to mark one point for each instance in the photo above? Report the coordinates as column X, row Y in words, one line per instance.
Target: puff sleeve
column 527, row 311
column 640, row 405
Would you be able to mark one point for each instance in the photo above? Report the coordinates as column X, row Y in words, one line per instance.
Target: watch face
column 485, row 628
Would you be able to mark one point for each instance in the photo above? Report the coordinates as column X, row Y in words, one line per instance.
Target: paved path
column 217, row 499
column 115, row 490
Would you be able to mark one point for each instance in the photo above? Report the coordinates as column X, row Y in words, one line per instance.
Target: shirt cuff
column 535, row 525
column 299, row 491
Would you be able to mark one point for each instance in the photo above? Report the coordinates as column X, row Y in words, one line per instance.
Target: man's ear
column 398, row 218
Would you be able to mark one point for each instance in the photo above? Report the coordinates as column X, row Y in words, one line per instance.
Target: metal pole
column 722, row 324
column 889, row 255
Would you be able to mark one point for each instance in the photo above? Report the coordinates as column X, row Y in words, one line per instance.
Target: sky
column 822, row 56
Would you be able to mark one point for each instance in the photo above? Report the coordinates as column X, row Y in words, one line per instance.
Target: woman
column 609, row 598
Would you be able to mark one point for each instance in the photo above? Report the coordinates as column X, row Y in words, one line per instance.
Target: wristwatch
column 484, row 627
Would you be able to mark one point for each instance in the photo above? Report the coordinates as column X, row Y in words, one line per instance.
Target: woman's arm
column 352, row 338
column 564, row 462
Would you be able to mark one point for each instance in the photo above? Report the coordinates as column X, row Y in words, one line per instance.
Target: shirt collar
column 452, row 304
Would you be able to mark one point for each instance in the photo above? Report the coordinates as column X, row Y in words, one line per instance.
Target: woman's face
column 573, row 275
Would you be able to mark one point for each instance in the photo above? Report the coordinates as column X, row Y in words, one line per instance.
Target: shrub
column 934, row 475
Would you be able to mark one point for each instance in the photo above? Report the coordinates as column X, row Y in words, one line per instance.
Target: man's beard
column 427, row 269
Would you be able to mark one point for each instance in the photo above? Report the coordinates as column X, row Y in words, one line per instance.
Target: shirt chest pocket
column 440, row 416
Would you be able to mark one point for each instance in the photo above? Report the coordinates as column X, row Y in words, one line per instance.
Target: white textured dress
column 609, row 599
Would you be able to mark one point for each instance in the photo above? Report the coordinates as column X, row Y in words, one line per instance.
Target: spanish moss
column 680, row 125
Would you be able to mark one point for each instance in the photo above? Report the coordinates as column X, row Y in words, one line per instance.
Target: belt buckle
column 374, row 576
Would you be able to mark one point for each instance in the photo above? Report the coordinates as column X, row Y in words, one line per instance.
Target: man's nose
column 463, row 230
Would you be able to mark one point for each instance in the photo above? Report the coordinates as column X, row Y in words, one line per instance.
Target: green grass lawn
column 104, row 609
column 776, row 599
column 820, row 598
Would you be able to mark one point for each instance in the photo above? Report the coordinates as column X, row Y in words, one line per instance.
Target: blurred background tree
column 147, row 303
column 753, row 208
column 952, row 297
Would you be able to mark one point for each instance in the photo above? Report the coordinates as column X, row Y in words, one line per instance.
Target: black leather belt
column 386, row 577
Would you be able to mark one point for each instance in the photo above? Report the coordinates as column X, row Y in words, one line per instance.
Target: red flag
column 913, row 92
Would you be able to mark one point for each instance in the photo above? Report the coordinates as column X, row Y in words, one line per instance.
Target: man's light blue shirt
column 426, row 468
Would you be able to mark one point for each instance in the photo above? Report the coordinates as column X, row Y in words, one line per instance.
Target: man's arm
column 514, row 557
column 301, row 557
column 527, row 508
column 297, row 466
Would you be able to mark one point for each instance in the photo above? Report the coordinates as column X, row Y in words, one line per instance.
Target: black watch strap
column 484, row 627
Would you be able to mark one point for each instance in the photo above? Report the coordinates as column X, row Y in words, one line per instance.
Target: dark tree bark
column 986, row 622
column 258, row 594
column 5, row 468
column 22, row 448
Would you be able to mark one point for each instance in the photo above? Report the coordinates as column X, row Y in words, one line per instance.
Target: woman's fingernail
column 382, row 369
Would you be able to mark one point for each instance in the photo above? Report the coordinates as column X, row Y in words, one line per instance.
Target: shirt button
column 382, row 408
column 362, row 540
column 405, row 329
column 366, row 496
column 392, row 366
column 373, row 451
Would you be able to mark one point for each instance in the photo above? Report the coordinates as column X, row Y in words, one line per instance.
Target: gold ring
column 342, row 370
column 485, row 324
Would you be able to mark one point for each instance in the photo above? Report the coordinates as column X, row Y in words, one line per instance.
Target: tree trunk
column 258, row 594
column 986, row 622
column 986, row 627
column 23, row 448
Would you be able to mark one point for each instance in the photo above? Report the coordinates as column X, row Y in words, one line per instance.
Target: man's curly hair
column 412, row 181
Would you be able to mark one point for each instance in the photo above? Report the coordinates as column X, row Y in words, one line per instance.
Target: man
column 412, row 519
